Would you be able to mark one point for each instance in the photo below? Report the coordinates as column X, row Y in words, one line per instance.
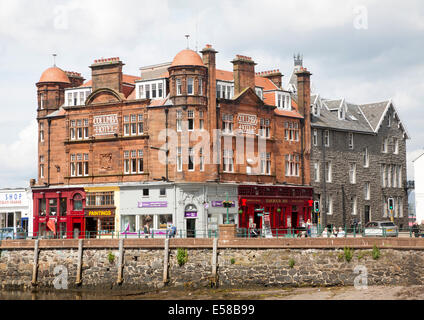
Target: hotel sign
column 105, row 124
column 247, row 123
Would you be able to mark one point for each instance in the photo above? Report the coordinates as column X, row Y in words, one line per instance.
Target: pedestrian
column 308, row 228
column 341, row 233
column 421, row 228
column 334, row 233
column 146, row 230
column 325, row 233
column 173, row 231
column 415, row 229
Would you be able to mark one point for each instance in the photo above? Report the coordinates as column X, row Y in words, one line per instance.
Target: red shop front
column 59, row 213
column 288, row 206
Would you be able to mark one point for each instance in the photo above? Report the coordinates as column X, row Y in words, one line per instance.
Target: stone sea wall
column 237, row 265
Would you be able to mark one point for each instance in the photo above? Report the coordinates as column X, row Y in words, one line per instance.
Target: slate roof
column 330, row 119
column 374, row 112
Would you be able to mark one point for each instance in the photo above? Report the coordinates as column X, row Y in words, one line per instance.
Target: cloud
column 380, row 62
column 18, row 158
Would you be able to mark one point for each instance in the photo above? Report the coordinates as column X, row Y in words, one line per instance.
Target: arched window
column 77, row 202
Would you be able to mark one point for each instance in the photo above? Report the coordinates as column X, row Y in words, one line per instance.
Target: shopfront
column 16, row 208
column 101, row 211
column 217, row 213
column 288, row 207
column 58, row 213
column 147, row 210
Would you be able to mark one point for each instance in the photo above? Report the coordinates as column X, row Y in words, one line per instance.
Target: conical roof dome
column 54, row 74
column 187, row 57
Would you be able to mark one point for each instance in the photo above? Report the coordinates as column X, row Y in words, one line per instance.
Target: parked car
column 380, row 229
column 12, row 233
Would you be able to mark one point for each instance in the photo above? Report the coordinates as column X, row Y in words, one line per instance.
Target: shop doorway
column 191, row 227
column 91, row 227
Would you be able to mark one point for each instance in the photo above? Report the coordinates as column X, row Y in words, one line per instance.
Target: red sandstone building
column 195, row 134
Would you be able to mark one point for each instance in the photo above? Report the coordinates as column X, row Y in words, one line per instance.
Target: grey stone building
column 358, row 161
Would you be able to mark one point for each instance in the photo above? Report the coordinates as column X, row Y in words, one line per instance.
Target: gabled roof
column 366, row 118
column 332, row 104
column 374, row 112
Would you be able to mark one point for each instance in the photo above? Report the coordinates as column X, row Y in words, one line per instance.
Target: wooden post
column 79, row 267
column 166, row 262
column 35, row 266
column 121, row 261
column 214, row 262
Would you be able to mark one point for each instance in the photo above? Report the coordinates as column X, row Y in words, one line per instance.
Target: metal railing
column 157, row 233
column 314, row 232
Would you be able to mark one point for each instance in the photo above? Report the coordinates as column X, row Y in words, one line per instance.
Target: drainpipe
column 324, row 180
column 302, row 143
column 167, row 151
column 48, row 153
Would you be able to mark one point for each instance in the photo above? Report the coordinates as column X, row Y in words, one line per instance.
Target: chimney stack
column 209, row 60
column 304, row 106
column 274, row 75
column 244, row 73
column 107, row 73
column 75, row 78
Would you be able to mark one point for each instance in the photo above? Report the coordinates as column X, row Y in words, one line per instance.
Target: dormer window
column 283, row 101
column 150, row 89
column 224, row 90
column 76, row 97
column 342, row 113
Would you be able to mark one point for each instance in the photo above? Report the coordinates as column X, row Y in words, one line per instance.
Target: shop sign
column 220, row 204
column 105, row 124
column 12, row 199
column 276, row 201
column 99, row 213
column 247, row 123
column 190, row 214
column 153, row 204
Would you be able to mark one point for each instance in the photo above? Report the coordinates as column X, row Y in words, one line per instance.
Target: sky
column 364, row 51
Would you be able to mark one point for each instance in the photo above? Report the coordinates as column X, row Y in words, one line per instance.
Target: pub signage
column 105, row 124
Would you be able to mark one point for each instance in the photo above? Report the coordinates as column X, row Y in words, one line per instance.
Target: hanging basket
column 278, row 210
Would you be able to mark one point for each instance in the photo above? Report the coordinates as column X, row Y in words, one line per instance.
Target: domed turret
column 50, row 90
column 187, row 57
column 54, row 74
column 187, row 78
